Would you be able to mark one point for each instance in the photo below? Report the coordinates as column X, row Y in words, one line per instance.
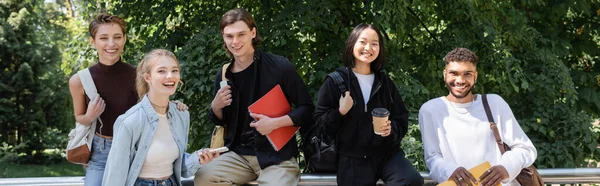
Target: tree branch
column 422, row 24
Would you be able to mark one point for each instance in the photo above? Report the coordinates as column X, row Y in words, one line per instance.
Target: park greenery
column 542, row 57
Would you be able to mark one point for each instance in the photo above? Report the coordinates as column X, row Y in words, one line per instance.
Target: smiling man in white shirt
column 456, row 132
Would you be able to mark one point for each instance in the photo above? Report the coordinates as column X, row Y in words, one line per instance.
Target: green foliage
column 8, row 153
column 541, row 57
column 12, row 170
column 34, row 95
column 200, row 59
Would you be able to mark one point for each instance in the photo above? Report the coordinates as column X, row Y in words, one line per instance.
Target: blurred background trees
column 35, row 98
column 542, row 57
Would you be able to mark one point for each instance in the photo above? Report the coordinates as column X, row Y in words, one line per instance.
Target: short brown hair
column 238, row 14
column 461, row 55
column 105, row 18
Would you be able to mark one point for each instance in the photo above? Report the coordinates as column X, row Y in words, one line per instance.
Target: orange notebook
column 274, row 104
column 476, row 171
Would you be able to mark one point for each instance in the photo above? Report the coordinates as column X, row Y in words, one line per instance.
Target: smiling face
column 238, row 39
column 366, row 48
column 460, row 78
column 109, row 41
column 164, row 76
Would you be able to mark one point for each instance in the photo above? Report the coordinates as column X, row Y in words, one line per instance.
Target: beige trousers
column 233, row 169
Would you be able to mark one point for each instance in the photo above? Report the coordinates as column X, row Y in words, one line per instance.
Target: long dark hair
column 348, row 55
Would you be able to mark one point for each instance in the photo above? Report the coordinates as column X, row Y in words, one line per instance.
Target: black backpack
column 320, row 151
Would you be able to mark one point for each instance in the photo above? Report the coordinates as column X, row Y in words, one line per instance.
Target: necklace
column 466, row 108
column 160, row 107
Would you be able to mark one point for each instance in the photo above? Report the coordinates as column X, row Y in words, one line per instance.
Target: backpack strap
column 90, row 90
column 223, row 71
column 88, row 83
column 339, row 81
column 223, row 78
column 493, row 126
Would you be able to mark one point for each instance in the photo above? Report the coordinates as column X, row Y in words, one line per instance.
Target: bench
column 316, row 180
column 550, row 176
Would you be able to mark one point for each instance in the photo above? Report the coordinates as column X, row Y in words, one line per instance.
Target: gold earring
column 181, row 85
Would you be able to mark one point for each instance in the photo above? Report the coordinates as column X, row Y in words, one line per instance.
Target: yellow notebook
column 476, row 171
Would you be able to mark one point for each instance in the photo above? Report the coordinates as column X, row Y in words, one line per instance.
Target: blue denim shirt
column 133, row 133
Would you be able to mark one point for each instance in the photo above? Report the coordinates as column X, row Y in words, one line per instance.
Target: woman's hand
column 181, row 106
column 386, row 129
column 346, row 103
column 206, row 156
column 95, row 108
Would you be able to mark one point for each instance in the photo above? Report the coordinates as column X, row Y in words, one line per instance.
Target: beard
column 458, row 96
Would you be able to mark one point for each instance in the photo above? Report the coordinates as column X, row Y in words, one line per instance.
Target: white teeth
column 111, row 50
column 169, row 84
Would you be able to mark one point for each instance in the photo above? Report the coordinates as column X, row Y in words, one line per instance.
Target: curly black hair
column 461, row 55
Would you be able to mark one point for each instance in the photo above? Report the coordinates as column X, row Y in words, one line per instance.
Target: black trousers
column 394, row 170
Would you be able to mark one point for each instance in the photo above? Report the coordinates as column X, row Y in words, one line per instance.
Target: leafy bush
column 8, row 153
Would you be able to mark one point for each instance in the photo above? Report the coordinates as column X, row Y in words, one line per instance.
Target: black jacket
column 354, row 131
column 269, row 70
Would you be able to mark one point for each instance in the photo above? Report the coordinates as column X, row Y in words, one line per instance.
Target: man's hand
column 222, row 99
column 263, row 124
column 462, row 177
column 493, row 176
column 346, row 103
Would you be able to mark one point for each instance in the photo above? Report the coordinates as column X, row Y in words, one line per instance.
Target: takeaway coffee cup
column 380, row 118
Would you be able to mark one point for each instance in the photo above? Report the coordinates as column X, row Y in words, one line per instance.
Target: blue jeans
column 144, row 182
column 95, row 169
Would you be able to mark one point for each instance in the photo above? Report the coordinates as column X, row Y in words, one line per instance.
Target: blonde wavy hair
column 144, row 68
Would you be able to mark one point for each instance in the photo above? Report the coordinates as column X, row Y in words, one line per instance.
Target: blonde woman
column 115, row 82
column 150, row 139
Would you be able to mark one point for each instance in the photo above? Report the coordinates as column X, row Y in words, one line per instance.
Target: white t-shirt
column 459, row 135
column 366, row 84
column 163, row 151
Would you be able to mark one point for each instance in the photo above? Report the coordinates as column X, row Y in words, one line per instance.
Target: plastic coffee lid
column 380, row 112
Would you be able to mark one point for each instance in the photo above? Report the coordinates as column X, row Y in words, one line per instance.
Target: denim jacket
column 133, row 133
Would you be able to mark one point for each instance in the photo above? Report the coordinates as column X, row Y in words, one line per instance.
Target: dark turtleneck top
column 116, row 85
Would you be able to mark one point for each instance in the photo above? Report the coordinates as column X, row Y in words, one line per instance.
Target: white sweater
column 459, row 135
